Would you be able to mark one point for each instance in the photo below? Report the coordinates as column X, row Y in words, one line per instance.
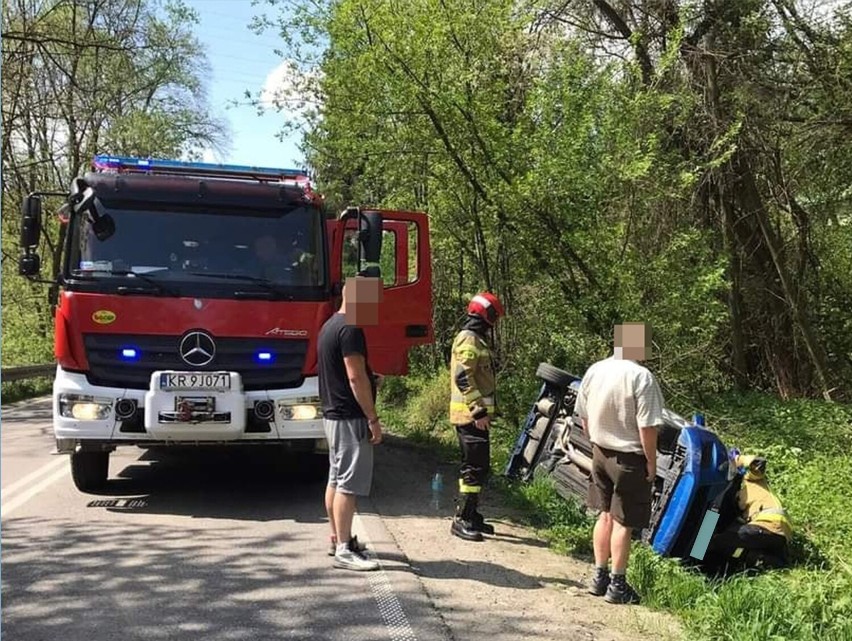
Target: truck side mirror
column 30, row 221
column 370, row 226
column 29, row 265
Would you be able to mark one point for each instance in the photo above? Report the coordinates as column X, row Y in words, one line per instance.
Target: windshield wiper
column 265, row 284
column 156, row 286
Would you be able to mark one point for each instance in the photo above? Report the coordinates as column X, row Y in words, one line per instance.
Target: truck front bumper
column 82, row 412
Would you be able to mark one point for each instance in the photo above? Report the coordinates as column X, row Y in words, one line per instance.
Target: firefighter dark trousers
column 475, row 445
column 743, row 546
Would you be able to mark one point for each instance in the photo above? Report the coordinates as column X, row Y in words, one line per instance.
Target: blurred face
column 265, row 247
column 633, row 341
column 363, row 296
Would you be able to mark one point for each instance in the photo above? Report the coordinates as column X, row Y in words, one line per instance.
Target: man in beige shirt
column 620, row 405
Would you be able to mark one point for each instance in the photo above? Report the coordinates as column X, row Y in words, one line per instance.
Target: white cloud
column 290, row 90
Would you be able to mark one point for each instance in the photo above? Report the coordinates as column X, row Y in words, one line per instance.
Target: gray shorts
column 350, row 455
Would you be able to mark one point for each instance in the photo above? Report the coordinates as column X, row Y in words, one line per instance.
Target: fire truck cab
column 190, row 300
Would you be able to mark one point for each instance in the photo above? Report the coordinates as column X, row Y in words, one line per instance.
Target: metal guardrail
column 27, row 371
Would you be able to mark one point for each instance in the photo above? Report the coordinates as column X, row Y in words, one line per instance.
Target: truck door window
column 399, row 253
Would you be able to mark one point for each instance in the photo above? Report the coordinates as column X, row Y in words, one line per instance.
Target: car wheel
column 555, row 376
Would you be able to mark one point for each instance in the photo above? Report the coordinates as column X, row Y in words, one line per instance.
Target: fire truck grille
column 128, row 360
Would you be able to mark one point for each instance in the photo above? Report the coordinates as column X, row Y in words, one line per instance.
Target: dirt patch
column 511, row 586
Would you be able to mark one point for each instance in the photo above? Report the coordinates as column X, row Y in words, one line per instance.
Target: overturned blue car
column 700, row 504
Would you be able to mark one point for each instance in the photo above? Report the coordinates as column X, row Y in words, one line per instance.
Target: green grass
column 14, row 391
column 809, row 447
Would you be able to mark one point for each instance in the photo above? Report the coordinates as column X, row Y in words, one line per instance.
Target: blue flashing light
column 108, row 163
column 129, row 354
column 264, row 357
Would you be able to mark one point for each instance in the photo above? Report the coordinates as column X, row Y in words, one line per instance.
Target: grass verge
column 14, row 391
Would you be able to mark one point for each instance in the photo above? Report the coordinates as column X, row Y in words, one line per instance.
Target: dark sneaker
column 353, row 543
column 465, row 530
column 354, row 560
column 480, row 525
column 621, row 593
column 599, row 584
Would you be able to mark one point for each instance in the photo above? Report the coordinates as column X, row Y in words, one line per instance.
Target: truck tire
column 89, row 470
column 553, row 375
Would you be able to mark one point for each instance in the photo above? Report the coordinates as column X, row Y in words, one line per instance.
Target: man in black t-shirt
column 347, row 390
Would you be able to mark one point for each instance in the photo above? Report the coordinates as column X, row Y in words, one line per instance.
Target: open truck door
column 404, row 265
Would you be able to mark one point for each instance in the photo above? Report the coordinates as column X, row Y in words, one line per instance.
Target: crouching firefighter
column 472, row 405
column 760, row 533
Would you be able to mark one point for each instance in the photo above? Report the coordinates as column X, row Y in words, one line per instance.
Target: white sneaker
column 354, row 560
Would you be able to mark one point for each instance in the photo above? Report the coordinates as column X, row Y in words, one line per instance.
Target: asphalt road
column 214, row 544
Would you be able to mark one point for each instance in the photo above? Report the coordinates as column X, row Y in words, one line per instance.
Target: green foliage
column 758, row 420
column 418, row 407
column 663, row 582
column 14, row 391
column 794, row 605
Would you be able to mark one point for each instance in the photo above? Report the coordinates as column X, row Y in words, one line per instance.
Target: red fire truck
column 190, row 300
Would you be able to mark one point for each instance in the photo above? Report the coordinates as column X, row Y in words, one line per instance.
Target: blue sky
column 240, row 61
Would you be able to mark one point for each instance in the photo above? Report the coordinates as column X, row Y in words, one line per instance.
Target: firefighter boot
column 462, row 526
column 478, row 521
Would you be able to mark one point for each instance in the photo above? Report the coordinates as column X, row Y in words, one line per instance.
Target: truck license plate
column 195, row 380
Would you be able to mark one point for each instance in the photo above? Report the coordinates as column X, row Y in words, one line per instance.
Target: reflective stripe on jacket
column 471, row 377
column 759, row 506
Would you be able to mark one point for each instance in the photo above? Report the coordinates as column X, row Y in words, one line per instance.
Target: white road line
column 10, row 506
column 59, row 461
column 389, row 606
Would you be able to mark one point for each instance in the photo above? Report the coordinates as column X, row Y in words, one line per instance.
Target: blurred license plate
column 195, row 380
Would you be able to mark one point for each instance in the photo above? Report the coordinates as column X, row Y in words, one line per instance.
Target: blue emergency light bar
column 128, row 164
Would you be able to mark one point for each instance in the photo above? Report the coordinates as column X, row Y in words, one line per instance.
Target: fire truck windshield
column 192, row 248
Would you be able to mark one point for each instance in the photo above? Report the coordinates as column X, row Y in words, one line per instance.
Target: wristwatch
column 372, row 421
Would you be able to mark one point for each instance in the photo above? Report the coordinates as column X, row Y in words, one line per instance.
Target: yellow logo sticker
column 103, row 316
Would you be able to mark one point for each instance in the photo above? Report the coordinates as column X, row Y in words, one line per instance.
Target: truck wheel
column 553, row 375
column 89, row 470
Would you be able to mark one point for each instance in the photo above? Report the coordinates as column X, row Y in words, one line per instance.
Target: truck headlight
column 83, row 407
column 300, row 409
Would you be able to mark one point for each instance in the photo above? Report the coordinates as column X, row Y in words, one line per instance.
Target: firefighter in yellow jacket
column 472, row 405
column 760, row 535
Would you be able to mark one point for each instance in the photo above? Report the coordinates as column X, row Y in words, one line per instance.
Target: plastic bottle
column 437, row 490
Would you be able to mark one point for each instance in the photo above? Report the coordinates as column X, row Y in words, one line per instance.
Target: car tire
column 555, row 376
column 89, row 470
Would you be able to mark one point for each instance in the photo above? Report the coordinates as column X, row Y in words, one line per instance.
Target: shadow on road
column 482, row 571
column 244, row 483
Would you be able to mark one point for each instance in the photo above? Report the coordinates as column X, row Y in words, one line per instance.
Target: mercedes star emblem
column 197, row 349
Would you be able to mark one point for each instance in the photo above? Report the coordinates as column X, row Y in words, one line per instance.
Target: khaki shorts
column 619, row 486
